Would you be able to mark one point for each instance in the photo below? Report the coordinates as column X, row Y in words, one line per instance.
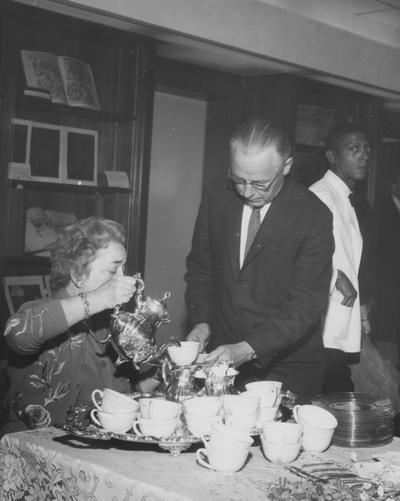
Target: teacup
column 202, row 406
column 185, row 354
column 318, row 426
column 280, row 453
column 315, row 416
column 200, row 425
column 114, row 422
column 266, row 415
column 265, row 386
column 226, row 436
column 144, row 405
column 268, row 401
column 267, row 391
column 239, row 405
column 282, row 433
column 316, row 439
column 163, row 409
column 113, row 401
column 217, row 459
column 243, row 423
column 159, row 428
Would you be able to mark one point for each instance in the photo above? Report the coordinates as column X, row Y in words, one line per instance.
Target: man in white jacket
column 348, row 153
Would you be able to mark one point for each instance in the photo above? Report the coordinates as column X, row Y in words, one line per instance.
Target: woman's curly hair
column 76, row 247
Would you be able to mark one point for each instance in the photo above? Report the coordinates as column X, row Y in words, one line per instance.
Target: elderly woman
column 57, row 350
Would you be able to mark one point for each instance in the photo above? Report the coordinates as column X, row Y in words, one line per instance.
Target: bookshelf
column 122, row 67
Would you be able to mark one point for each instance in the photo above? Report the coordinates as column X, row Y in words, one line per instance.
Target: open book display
column 68, row 80
column 42, row 227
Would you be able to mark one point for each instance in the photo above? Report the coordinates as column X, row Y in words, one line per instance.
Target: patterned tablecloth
column 39, row 465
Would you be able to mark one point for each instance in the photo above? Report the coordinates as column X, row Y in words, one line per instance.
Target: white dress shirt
column 247, row 210
column 342, row 327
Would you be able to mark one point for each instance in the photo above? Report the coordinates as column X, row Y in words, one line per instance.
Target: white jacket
column 342, row 329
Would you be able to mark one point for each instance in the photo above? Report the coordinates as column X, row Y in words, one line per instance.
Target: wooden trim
column 141, row 160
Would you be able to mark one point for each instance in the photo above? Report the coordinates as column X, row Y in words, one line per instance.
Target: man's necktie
column 353, row 199
column 254, row 225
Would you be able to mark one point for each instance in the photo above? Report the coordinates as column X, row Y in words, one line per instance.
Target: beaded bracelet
column 85, row 303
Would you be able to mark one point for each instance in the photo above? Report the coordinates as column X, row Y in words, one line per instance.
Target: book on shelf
column 35, row 92
column 42, row 227
column 69, row 80
column 20, row 289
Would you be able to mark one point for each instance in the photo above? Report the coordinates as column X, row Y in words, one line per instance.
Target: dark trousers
column 338, row 372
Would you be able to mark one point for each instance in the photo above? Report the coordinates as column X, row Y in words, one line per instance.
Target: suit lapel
column 233, row 220
column 272, row 222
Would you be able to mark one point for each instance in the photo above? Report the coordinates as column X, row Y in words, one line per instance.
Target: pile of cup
column 114, row 411
column 201, row 413
column 241, row 411
column 318, row 426
column 269, row 395
column 158, row 417
column 281, row 442
column 226, row 449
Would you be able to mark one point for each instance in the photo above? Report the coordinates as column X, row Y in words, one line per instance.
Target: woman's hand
column 118, row 290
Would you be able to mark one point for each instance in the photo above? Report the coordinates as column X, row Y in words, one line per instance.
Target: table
column 38, row 464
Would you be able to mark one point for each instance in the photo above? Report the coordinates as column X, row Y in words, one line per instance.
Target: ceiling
column 377, row 20
column 382, row 12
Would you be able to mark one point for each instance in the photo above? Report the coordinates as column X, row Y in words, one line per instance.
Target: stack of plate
column 363, row 420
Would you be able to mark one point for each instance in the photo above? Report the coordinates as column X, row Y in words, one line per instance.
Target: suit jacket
column 388, row 263
column 367, row 272
column 275, row 300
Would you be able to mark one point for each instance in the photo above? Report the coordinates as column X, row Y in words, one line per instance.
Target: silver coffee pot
column 133, row 334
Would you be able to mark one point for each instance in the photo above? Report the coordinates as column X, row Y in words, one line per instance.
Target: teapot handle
column 138, row 293
column 165, row 369
column 139, row 283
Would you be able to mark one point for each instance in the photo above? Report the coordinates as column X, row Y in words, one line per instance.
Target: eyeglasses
column 356, row 148
column 257, row 185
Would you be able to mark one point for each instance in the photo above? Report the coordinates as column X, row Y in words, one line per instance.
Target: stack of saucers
column 363, row 420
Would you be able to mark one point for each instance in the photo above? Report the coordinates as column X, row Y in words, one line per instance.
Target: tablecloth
column 39, row 465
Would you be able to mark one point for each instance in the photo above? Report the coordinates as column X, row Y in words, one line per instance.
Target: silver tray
column 89, row 432
column 174, row 444
column 148, row 439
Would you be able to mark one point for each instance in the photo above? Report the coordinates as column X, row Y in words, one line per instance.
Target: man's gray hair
column 260, row 134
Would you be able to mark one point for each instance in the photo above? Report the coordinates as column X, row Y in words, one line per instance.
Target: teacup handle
column 136, row 429
column 205, row 441
column 219, row 419
column 199, row 456
column 277, row 392
column 93, row 413
column 94, row 393
column 295, row 412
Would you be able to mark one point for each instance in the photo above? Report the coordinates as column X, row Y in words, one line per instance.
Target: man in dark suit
column 260, row 309
column 387, row 334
